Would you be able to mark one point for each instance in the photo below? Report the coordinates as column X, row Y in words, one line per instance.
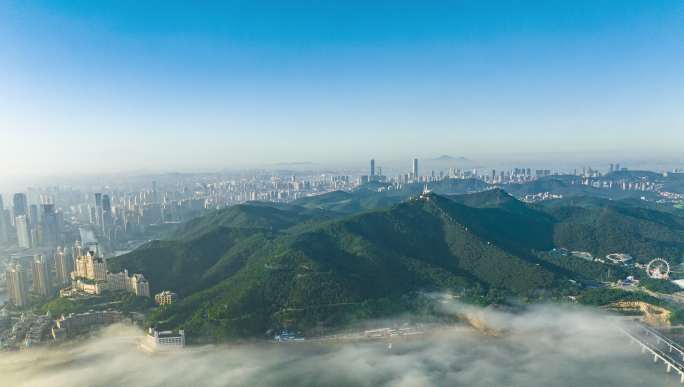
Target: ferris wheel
column 658, row 269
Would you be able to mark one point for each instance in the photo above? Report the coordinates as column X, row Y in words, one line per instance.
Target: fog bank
column 541, row 347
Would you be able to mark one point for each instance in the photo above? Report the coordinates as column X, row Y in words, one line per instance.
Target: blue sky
column 93, row 86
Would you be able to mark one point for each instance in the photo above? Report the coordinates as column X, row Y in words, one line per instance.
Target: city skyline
column 105, row 89
column 285, row 193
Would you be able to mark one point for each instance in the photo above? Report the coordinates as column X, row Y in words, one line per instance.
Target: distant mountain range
column 330, row 259
column 449, row 158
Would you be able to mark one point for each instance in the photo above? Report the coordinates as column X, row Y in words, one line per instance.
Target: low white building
column 164, row 340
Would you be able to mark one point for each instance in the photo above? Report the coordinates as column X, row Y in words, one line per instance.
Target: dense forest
column 344, row 256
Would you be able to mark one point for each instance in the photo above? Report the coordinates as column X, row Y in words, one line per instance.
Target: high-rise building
column 4, row 232
column 155, row 193
column 372, row 169
column 107, row 218
column 51, row 230
column 17, row 285
column 63, row 267
column 34, row 216
column 415, row 169
column 76, row 253
column 20, row 204
column 41, row 276
column 98, row 208
column 23, row 233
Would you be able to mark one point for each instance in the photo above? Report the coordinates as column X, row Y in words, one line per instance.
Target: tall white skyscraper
column 23, row 235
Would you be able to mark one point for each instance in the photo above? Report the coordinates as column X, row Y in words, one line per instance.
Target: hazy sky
column 91, row 86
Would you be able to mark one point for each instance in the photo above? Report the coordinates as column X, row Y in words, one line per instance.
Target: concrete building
column 136, row 283
column 75, row 323
column 86, row 286
column 63, row 267
column 139, row 285
column 98, row 208
column 51, row 233
column 165, row 298
column 23, row 232
column 76, row 253
column 20, row 204
column 119, row 281
column 41, row 277
column 107, row 218
column 4, row 227
column 164, row 340
column 17, row 285
column 91, row 267
column 96, row 267
column 414, row 171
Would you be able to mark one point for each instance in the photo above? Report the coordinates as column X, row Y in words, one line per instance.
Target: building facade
column 17, row 285
column 139, row 285
column 63, row 267
column 165, row 298
column 23, row 234
column 41, row 277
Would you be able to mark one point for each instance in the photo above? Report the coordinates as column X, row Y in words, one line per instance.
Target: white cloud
column 541, row 347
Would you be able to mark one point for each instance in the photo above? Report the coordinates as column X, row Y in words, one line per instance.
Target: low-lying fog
column 546, row 346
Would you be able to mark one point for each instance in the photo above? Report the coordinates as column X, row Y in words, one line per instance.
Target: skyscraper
column 51, row 231
column 64, row 265
column 155, row 194
column 415, row 169
column 372, row 169
column 17, row 285
column 98, row 208
column 76, row 253
column 20, row 204
column 34, row 216
column 23, row 236
column 4, row 234
column 41, row 276
column 107, row 219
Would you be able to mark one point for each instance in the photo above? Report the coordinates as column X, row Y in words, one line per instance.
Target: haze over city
column 341, row 193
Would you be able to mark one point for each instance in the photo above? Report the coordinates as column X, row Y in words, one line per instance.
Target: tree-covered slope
column 376, row 195
column 251, row 268
column 605, row 226
column 183, row 265
column 362, row 264
column 253, row 215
